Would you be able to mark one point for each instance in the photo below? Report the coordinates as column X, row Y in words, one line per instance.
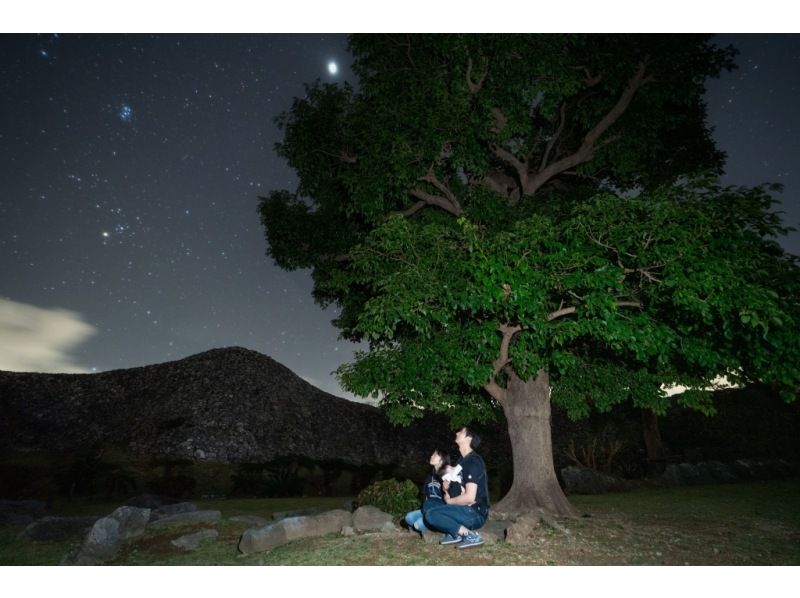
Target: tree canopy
column 489, row 207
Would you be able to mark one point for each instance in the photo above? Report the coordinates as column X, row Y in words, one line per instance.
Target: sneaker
column 469, row 540
column 448, row 539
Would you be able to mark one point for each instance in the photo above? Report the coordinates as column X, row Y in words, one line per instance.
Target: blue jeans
column 449, row 518
column 415, row 521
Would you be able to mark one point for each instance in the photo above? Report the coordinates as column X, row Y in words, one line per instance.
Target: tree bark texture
column 527, row 408
column 652, row 442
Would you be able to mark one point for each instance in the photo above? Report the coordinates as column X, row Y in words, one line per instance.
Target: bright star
column 333, row 68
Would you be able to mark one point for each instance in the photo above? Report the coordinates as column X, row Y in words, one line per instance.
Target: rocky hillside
column 228, row 405
column 235, row 421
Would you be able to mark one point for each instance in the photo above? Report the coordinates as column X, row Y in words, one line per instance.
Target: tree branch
column 554, row 138
column 475, row 87
column 503, row 360
column 345, row 155
column 491, row 386
column 589, row 145
column 519, row 165
column 413, row 209
column 565, row 311
column 501, row 183
column 497, row 392
column 432, row 200
column 430, row 177
column 590, row 80
column 571, row 310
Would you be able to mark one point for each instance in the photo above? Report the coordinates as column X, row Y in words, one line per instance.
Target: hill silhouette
column 230, row 405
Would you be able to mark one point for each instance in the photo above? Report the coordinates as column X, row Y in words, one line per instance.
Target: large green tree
column 510, row 220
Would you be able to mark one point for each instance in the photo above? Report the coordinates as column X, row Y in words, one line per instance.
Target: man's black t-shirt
column 473, row 471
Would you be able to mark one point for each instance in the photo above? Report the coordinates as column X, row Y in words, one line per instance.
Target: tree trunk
column 652, row 442
column 527, row 409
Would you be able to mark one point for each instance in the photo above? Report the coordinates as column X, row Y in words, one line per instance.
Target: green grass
column 738, row 524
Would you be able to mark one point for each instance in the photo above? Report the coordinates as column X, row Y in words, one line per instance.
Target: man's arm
column 465, row 498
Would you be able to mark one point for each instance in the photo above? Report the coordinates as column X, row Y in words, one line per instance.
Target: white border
column 252, row 16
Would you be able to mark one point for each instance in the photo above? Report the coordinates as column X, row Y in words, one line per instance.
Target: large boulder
column 192, row 541
column 369, row 518
column 57, row 528
column 187, row 518
column 582, row 480
column 132, row 521
column 293, row 528
column 102, row 542
column 107, row 535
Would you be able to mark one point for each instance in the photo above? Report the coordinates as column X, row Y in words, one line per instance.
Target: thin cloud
column 33, row 339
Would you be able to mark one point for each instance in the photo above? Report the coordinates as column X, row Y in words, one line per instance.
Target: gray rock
column 369, row 518
column 57, row 528
column 132, row 521
column 173, row 509
column 581, row 480
column 278, row 515
column 192, row 541
column 293, row 528
column 12, row 518
column 714, row 472
column 718, row 473
column 34, row 507
column 102, row 543
column 687, row 474
column 348, row 531
column 390, row 528
column 252, row 520
column 187, row 518
column 108, row 534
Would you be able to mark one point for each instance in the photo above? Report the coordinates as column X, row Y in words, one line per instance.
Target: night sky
column 129, row 173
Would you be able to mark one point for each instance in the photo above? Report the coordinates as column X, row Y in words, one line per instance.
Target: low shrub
column 391, row 496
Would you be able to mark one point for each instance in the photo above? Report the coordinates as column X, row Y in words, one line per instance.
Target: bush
column 391, row 496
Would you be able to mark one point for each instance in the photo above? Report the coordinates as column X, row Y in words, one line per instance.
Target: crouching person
column 461, row 515
column 432, row 490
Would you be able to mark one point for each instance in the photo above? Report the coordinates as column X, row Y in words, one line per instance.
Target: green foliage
column 391, row 496
column 562, row 184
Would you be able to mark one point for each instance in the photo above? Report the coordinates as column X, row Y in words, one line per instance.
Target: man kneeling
column 461, row 515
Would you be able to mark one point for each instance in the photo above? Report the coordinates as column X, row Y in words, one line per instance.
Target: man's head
column 467, row 439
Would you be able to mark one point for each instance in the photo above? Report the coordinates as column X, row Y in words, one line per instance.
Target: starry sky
column 130, row 167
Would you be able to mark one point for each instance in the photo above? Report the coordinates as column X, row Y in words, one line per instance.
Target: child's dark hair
column 439, row 471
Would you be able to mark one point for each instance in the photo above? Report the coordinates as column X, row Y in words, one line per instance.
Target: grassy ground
column 740, row 524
